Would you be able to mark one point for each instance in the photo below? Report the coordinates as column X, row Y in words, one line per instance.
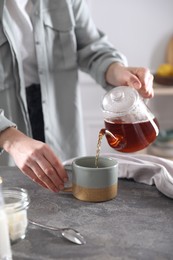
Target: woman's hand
column 35, row 159
column 139, row 78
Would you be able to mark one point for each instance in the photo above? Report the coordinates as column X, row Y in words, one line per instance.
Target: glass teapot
column 130, row 126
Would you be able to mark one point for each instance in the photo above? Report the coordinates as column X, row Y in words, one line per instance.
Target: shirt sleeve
column 95, row 52
column 4, row 122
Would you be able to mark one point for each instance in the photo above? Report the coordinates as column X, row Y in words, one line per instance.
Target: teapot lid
column 120, row 100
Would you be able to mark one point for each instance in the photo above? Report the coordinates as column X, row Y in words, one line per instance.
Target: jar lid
column 120, row 100
column 15, row 199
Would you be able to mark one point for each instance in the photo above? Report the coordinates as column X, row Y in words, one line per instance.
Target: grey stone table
column 138, row 224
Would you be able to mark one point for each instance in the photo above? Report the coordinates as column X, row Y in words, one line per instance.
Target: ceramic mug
column 91, row 183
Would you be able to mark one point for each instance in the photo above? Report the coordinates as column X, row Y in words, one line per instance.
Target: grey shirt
column 66, row 40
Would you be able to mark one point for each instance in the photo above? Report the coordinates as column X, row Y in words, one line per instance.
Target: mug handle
column 68, row 185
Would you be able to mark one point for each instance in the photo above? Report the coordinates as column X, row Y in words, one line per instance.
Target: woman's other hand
column 35, row 159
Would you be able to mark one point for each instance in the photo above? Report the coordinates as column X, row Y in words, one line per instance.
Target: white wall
column 141, row 30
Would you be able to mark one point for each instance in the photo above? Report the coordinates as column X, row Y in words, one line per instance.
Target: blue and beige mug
column 91, row 183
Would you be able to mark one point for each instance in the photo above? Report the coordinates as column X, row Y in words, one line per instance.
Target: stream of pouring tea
column 116, row 140
column 100, row 137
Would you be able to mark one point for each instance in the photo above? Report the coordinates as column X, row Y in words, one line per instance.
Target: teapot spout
column 115, row 141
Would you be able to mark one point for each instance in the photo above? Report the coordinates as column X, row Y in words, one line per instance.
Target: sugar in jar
column 16, row 205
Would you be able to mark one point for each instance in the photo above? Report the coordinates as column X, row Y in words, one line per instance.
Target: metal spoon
column 70, row 234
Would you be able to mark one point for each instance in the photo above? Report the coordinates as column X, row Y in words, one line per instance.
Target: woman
column 42, row 46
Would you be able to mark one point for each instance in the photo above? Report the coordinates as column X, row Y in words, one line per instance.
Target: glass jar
column 16, row 205
column 5, row 247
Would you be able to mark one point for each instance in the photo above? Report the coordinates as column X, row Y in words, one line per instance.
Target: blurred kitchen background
column 141, row 29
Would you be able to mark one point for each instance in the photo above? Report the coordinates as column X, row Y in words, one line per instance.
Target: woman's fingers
column 56, row 164
column 139, row 78
column 143, row 75
column 29, row 172
column 48, row 174
column 41, row 171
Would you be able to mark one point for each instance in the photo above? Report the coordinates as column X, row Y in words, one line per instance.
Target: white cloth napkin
column 145, row 169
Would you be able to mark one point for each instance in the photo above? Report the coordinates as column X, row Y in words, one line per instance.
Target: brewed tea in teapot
column 130, row 126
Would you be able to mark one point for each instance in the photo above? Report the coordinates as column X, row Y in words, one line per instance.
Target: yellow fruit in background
column 165, row 70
